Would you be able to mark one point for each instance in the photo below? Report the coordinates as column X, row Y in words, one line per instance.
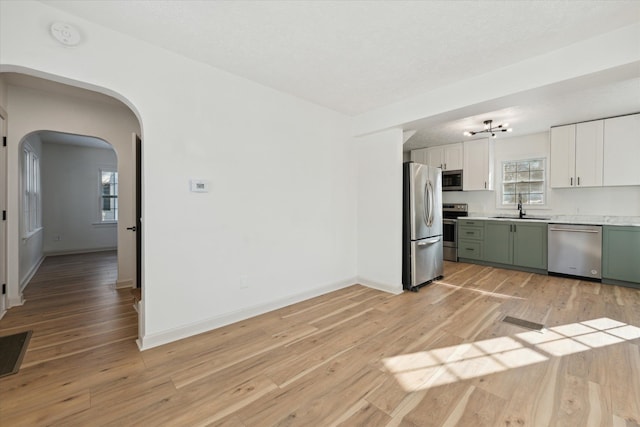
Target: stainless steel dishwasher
column 575, row 250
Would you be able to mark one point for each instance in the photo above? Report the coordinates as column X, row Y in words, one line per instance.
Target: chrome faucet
column 521, row 212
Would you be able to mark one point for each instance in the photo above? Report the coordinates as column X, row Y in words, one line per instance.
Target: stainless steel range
column 450, row 213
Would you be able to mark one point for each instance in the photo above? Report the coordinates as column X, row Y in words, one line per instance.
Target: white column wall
column 380, row 210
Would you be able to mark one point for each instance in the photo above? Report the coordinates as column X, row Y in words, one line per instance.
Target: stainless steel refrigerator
column 422, row 260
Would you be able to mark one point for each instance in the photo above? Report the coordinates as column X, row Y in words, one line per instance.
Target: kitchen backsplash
column 608, row 201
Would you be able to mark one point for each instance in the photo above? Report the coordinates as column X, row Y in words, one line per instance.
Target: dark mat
column 12, row 350
column 523, row 323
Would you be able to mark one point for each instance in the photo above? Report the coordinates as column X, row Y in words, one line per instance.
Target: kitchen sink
column 539, row 218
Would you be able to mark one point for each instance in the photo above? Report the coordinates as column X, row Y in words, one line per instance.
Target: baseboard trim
column 79, row 251
column 123, row 284
column 25, row 281
column 392, row 289
column 156, row 339
column 16, row 302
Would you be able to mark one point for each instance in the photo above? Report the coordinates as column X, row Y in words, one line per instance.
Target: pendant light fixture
column 489, row 128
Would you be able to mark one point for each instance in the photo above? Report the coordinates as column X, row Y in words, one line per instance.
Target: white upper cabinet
column 563, row 156
column 622, row 150
column 447, row 157
column 576, row 155
column 589, row 152
column 478, row 165
column 419, row 156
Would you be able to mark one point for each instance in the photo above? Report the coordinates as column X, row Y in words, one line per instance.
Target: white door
column 622, row 151
column 563, row 157
column 434, row 157
column 3, row 222
column 477, row 166
column 589, row 151
column 419, row 156
column 453, row 156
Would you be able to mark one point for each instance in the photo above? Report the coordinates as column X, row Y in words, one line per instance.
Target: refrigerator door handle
column 428, row 203
column 426, row 200
column 429, row 241
column 432, row 203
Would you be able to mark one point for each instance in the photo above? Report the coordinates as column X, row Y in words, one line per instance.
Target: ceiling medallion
column 66, row 34
column 489, row 128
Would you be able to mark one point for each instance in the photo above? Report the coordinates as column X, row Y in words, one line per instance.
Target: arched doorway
column 36, row 104
column 68, row 198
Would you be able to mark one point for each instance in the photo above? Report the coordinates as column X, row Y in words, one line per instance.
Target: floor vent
column 523, row 323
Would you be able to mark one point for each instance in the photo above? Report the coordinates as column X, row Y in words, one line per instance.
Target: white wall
column 622, row 201
column 3, row 93
column 380, row 210
column 279, row 223
column 70, row 199
column 72, row 111
column 30, row 248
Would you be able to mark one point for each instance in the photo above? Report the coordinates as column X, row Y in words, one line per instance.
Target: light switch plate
column 199, row 185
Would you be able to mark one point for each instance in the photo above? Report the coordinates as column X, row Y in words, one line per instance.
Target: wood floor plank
column 356, row 356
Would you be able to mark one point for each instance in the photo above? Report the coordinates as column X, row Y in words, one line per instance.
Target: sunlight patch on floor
column 478, row 291
column 431, row 368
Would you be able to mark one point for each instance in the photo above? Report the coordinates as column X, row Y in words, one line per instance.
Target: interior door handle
column 134, row 228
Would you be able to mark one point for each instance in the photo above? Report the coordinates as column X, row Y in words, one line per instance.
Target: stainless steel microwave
column 452, row 180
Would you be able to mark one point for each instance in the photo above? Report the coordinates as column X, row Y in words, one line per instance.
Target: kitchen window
column 32, row 210
column 525, row 180
column 108, row 196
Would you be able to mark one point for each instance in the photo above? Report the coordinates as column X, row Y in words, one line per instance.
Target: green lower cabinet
column 519, row 243
column 498, row 244
column 470, row 249
column 621, row 253
column 530, row 245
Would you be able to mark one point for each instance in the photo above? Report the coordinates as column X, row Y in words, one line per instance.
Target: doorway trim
column 15, row 297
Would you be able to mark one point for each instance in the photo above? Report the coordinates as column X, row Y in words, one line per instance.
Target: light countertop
column 633, row 221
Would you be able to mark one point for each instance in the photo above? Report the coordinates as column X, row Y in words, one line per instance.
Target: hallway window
column 109, row 196
column 31, row 184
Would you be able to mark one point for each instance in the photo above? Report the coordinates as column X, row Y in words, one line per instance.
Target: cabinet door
column 589, row 152
column 530, row 245
column 498, row 242
column 477, row 165
column 471, row 249
column 419, row 156
column 435, row 157
column 562, row 169
column 620, row 249
column 453, row 157
column 622, row 151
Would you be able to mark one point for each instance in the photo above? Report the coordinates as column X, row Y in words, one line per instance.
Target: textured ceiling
column 355, row 56
column 51, row 137
column 600, row 95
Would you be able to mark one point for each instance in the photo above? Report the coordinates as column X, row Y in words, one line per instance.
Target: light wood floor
column 355, row 357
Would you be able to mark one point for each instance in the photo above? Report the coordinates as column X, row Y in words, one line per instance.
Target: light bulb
column 509, row 130
column 466, row 133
